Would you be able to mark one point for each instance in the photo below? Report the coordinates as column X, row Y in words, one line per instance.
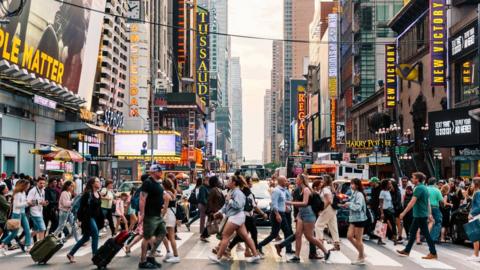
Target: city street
column 194, row 255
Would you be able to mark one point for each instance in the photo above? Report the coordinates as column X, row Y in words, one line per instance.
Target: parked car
column 459, row 217
column 264, row 200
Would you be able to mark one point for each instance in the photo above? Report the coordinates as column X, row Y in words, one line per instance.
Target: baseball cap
column 155, row 168
column 374, row 180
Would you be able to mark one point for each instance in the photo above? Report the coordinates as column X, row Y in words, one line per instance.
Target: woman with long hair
column 475, row 214
column 387, row 210
column 234, row 211
column 397, row 207
column 91, row 216
column 215, row 201
column 305, row 221
column 18, row 212
column 445, row 207
column 64, row 207
column 328, row 216
column 168, row 213
column 357, row 218
column 4, row 210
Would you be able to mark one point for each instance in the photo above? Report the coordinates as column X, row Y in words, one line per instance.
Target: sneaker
column 359, row 262
column 254, row 259
column 168, row 256
column 2, row 252
column 146, row 265
column 294, row 259
column 214, row 258
column 154, row 262
column 173, row 259
column 314, row 257
column 473, row 258
column 402, row 253
column 430, row 256
column 157, row 254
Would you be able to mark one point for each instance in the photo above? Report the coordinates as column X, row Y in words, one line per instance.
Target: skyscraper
column 297, row 15
column 267, row 127
column 276, row 101
column 236, row 102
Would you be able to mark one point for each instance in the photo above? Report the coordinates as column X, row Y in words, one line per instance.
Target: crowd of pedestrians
column 415, row 209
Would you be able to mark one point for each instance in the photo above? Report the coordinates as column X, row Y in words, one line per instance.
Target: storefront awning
column 66, row 127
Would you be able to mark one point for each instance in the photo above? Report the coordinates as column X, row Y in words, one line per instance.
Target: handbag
column 12, row 224
column 472, row 229
column 213, row 227
column 380, row 230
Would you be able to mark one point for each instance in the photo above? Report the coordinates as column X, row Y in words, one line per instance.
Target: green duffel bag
column 44, row 249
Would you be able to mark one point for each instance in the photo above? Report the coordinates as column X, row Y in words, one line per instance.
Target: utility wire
column 245, row 36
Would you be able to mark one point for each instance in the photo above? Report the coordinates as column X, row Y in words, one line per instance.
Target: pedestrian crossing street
column 191, row 248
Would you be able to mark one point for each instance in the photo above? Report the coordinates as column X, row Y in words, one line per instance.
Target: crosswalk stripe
column 462, row 257
column 337, row 257
column 375, row 257
column 202, row 250
column 416, row 257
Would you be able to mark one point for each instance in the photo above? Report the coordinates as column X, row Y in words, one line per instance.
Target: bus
column 254, row 171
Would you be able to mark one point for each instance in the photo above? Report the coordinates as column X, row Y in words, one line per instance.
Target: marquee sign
column 333, row 123
column 113, row 119
column 438, row 43
column 390, row 76
column 203, row 56
column 332, row 55
column 367, row 144
column 301, row 111
column 134, row 66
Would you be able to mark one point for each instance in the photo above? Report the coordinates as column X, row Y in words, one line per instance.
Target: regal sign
column 203, row 56
column 390, row 76
column 438, row 43
column 301, row 111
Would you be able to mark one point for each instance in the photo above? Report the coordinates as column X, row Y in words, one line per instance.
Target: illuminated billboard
column 203, row 56
column 301, row 112
column 390, row 76
column 438, row 45
column 131, row 144
column 56, row 41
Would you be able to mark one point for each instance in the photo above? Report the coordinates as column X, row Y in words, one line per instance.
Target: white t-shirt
column 38, row 195
column 326, row 191
column 387, row 199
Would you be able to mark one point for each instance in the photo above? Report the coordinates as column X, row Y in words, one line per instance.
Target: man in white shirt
column 36, row 201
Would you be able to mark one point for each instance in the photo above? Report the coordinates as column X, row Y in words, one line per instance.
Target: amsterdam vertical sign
column 390, row 76
column 438, row 42
column 333, row 76
column 203, row 56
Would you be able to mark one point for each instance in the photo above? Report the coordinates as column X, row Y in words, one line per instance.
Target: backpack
column 135, row 200
column 193, row 198
column 335, row 201
column 316, row 202
column 248, row 205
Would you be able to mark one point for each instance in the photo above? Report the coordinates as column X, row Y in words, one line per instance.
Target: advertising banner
column 203, row 56
column 464, row 42
column 56, row 41
column 341, row 133
column 132, row 144
column 333, row 124
column 390, row 76
column 452, row 128
column 332, row 55
column 438, row 43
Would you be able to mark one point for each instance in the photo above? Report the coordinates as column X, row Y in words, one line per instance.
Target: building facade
column 276, row 111
column 267, row 127
column 237, row 103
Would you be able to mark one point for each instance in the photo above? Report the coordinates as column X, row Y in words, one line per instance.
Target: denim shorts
column 38, row 224
column 306, row 214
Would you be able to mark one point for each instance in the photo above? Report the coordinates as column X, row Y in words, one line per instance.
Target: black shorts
column 359, row 224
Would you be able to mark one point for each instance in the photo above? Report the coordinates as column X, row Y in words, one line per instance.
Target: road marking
column 202, row 250
column 462, row 258
column 375, row 257
column 337, row 257
column 416, row 257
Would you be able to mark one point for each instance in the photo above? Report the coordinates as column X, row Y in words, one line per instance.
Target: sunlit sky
column 254, row 18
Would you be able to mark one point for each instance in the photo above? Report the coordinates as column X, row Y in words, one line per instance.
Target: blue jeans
column 65, row 217
column 422, row 224
column 26, row 229
column 86, row 236
column 437, row 227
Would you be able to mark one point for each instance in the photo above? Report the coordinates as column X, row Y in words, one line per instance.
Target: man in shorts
column 36, row 201
column 151, row 204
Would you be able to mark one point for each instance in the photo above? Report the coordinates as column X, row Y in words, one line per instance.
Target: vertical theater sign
column 203, row 56
column 301, row 112
column 390, row 76
column 438, row 42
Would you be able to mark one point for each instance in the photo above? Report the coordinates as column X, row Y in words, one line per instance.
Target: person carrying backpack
column 328, row 216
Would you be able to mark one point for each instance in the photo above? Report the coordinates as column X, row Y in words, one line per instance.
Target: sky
column 254, row 18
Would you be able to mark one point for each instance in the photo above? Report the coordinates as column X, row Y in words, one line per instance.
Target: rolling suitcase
column 107, row 252
column 44, row 249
